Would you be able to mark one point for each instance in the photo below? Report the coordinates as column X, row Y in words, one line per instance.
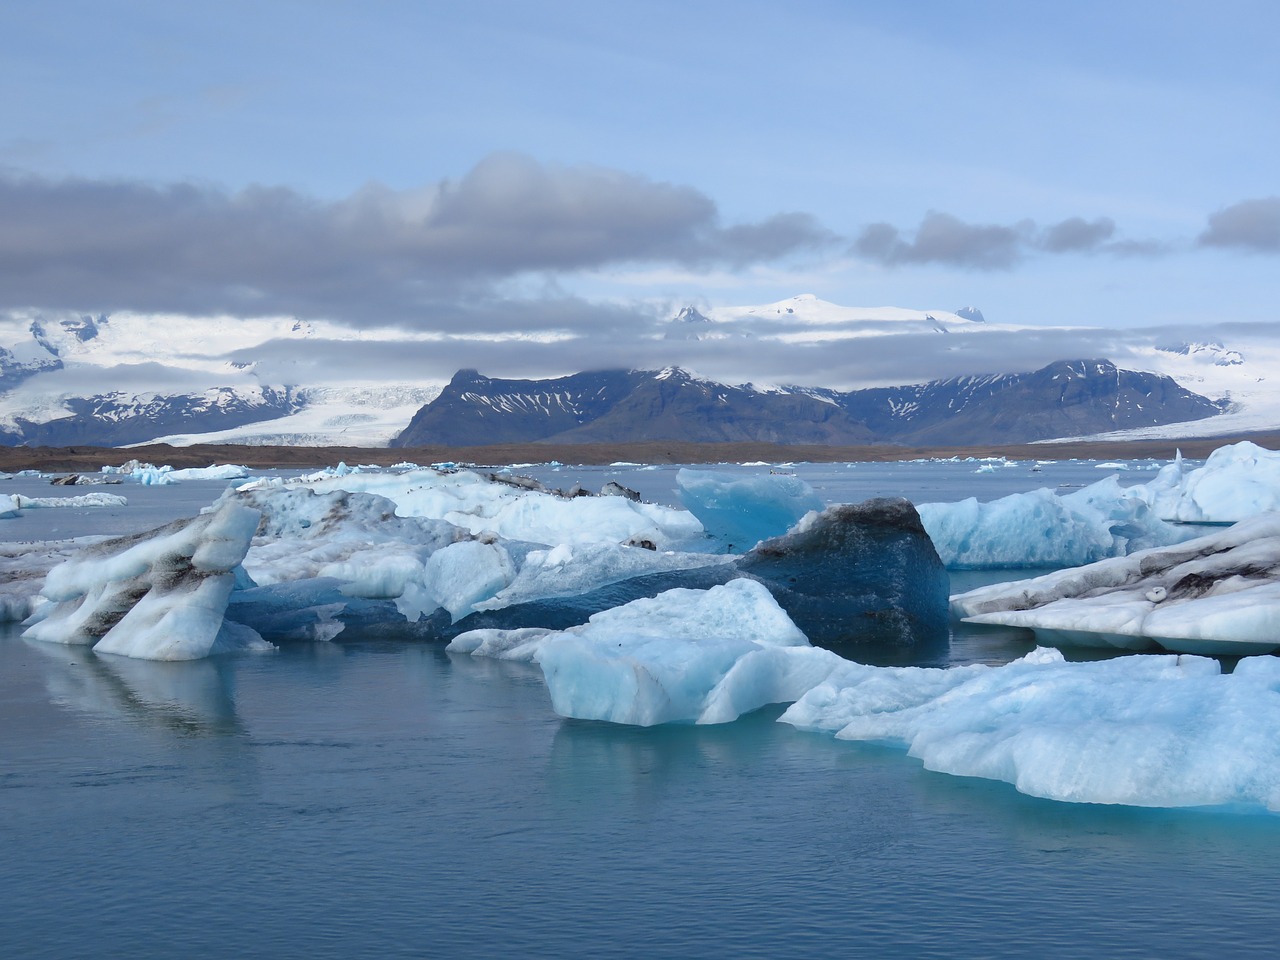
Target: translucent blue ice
column 739, row 512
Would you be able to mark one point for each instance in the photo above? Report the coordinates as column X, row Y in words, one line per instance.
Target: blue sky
column 1050, row 164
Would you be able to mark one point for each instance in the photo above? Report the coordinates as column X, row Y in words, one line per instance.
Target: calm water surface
column 370, row 799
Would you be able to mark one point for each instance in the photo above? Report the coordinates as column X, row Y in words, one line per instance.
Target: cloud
column 377, row 256
column 888, row 359
column 1249, row 224
column 942, row 238
column 1076, row 234
column 949, row 241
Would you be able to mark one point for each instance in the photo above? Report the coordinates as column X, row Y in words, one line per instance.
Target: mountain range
column 615, row 406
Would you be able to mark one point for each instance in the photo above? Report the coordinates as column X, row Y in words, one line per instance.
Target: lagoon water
column 371, row 799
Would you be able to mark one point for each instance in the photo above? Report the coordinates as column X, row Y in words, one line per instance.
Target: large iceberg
column 1045, row 529
column 481, row 505
column 1217, row 594
column 854, row 574
column 158, row 596
column 1142, row 730
column 1235, row 482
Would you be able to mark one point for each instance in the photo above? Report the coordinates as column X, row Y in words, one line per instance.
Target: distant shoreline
column 88, row 459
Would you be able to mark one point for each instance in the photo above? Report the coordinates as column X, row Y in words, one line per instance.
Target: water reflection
column 192, row 698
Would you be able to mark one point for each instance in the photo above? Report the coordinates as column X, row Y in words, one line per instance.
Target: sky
column 580, row 170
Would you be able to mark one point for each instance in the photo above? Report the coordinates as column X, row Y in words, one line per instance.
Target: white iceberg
column 1235, row 482
column 1043, row 529
column 84, row 500
column 479, row 505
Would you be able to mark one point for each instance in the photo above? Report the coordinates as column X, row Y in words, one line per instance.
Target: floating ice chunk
column 226, row 471
column 158, row 596
column 1235, row 482
column 23, row 567
column 741, row 511
column 1042, row 529
column 84, row 500
column 521, row 644
column 1167, row 731
column 857, row 573
column 686, row 655
column 9, row 506
column 1218, row 594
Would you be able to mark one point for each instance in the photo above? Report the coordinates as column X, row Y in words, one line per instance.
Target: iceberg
column 739, row 512
column 852, row 575
column 23, row 567
column 84, row 500
column 481, row 505
column 157, row 596
column 1235, row 482
column 1151, row 731
column 1043, row 529
column 1217, row 594
column 702, row 656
